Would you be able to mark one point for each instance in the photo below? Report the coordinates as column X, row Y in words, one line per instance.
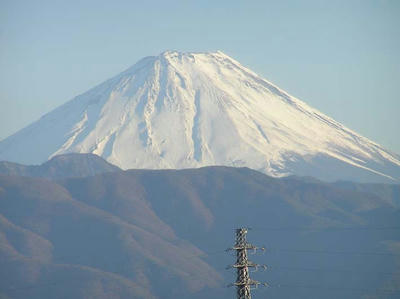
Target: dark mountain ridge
column 162, row 234
column 61, row 166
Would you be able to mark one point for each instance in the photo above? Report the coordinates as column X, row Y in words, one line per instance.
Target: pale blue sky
column 341, row 57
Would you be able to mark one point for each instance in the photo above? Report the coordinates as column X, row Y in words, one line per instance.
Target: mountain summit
column 183, row 110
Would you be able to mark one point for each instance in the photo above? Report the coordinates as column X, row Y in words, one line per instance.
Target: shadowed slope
column 162, row 234
column 84, row 236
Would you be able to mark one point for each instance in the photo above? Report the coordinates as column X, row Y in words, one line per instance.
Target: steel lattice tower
column 243, row 282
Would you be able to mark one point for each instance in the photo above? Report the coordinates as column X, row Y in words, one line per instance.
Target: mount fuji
column 188, row 110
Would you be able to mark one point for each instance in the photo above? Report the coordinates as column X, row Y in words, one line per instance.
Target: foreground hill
column 162, row 234
column 187, row 110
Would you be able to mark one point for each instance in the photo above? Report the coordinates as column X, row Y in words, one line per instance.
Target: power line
column 57, row 260
column 107, row 272
column 331, row 252
column 249, row 264
column 331, row 270
column 327, row 229
column 332, row 288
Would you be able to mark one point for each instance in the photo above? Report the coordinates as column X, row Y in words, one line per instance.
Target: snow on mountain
column 181, row 110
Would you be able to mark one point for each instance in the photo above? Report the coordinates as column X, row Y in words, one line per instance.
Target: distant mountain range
column 79, row 227
column 62, row 166
column 187, row 110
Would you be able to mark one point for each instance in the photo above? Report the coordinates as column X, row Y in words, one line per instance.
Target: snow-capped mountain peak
column 181, row 110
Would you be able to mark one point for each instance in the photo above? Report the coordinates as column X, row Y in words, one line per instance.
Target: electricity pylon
column 243, row 281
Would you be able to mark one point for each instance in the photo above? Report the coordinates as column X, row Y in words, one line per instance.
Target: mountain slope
column 184, row 110
column 163, row 234
column 70, row 240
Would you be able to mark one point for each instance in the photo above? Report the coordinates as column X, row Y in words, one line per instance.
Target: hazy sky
column 341, row 57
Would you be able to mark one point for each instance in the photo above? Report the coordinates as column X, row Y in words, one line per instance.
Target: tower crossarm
column 247, row 264
column 246, row 246
column 249, row 282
